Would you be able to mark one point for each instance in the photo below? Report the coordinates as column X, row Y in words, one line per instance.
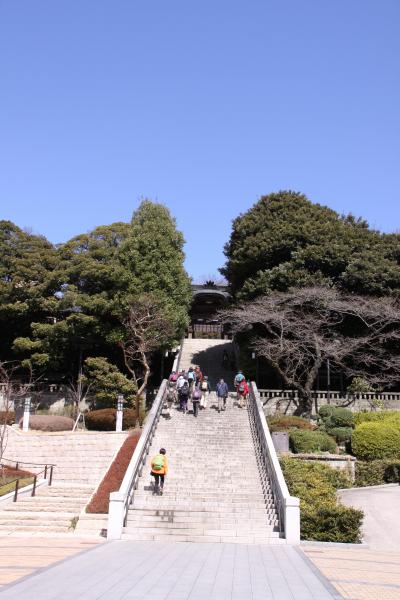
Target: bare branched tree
column 296, row 331
column 146, row 329
column 11, row 389
column 78, row 390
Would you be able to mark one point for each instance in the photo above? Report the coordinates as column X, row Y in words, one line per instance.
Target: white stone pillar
column 115, row 516
column 120, row 413
column 292, row 520
column 27, row 413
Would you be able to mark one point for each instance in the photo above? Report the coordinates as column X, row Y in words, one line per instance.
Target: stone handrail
column 287, row 506
column 333, row 395
column 120, row 501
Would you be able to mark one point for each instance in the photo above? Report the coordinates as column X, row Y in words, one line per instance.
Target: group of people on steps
column 194, row 386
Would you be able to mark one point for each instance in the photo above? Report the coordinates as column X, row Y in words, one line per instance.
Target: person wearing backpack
column 191, row 377
column 239, row 377
column 183, row 394
column 205, row 389
column 222, row 394
column 159, row 469
column 196, row 397
column 242, row 392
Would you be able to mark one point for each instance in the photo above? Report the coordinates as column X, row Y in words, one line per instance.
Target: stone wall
column 286, row 401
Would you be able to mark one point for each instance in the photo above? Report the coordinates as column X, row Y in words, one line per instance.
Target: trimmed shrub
column 49, row 423
column 7, row 417
column 285, row 422
column 322, row 517
column 373, row 417
column 376, row 440
column 311, row 441
column 105, row 419
column 336, row 416
column 114, row 476
column 377, row 472
column 341, row 434
column 332, row 523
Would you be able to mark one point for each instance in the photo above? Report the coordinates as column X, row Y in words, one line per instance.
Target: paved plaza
column 358, row 573
column 178, row 571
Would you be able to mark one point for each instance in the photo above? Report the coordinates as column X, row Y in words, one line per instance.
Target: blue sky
column 203, row 106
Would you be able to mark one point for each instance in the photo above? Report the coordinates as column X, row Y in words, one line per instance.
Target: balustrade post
column 27, row 412
column 116, row 516
column 120, row 413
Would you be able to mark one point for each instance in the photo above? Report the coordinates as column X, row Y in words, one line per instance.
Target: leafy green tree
column 152, row 255
column 285, row 240
column 80, row 319
column 106, row 382
column 28, row 281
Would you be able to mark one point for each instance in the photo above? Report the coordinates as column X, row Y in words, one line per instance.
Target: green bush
column 341, row 434
column 104, row 419
column 330, row 523
column 377, row 472
column 376, row 440
column 322, row 517
column 375, row 416
column 285, row 422
column 336, row 416
column 311, row 441
column 7, row 416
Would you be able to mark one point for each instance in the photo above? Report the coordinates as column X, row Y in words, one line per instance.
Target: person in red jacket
column 242, row 392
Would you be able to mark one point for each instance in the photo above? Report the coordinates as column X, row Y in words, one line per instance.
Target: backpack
column 241, row 387
column 157, row 464
column 204, row 386
column 196, row 394
column 239, row 377
column 184, row 389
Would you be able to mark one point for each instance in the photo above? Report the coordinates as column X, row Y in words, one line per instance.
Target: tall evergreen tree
column 285, row 240
column 152, row 255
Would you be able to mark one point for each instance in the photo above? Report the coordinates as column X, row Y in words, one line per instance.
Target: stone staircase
column 213, row 491
column 208, row 355
column 52, row 510
column 81, row 460
column 80, row 457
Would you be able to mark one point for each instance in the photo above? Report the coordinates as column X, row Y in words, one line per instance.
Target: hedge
column 105, row 419
column 285, row 422
column 377, row 472
column 322, row 518
column 49, row 423
column 114, row 476
column 7, row 416
column 377, row 416
column 311, row 441
column 376, row 440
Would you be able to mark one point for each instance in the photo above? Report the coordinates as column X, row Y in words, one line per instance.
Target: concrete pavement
column 178, row 571
column 381, row 506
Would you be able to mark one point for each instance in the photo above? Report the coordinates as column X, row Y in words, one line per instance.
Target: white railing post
column 116, row 515
column 120, row 413
column 27, row 414
column 292, row 520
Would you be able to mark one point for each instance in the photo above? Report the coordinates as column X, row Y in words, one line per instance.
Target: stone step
column 273, row 537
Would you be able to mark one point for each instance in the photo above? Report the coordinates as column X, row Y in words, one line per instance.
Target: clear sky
column 202, row 105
